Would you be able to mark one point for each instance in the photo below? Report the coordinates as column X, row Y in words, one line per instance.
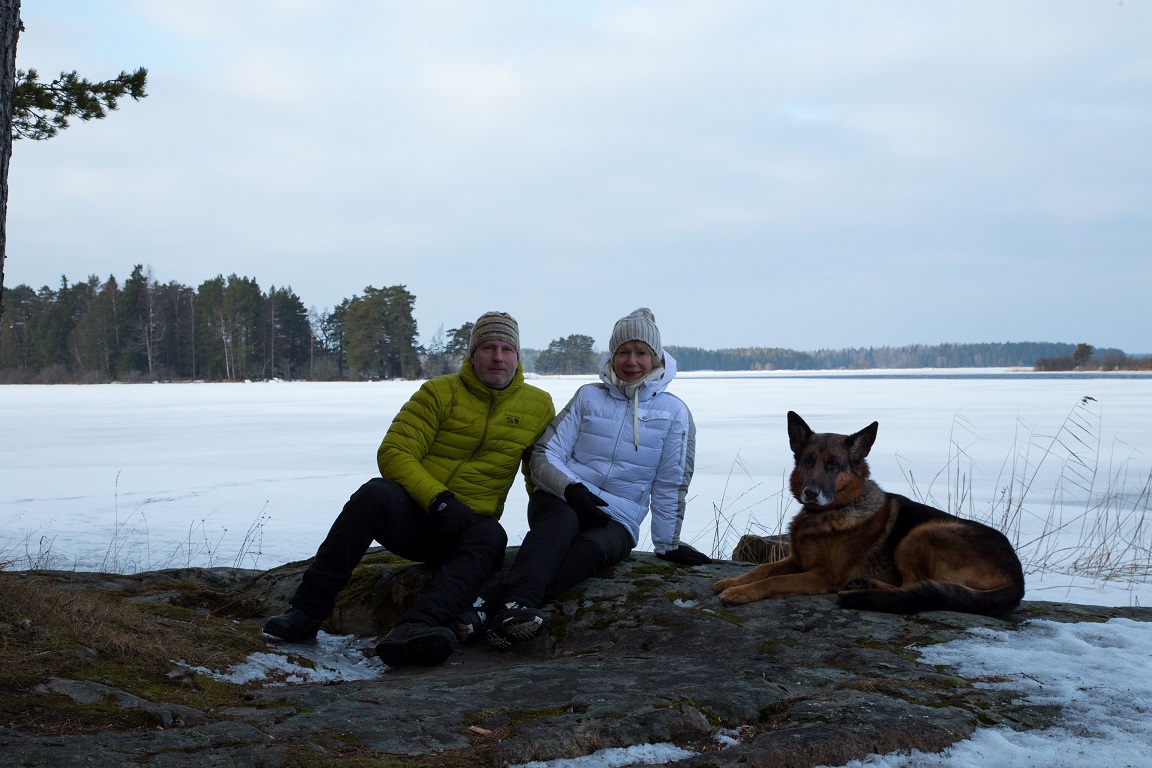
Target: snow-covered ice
column 131, row 478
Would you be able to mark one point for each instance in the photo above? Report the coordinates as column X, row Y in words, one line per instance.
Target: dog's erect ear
column 798, row 432
column 860, row 443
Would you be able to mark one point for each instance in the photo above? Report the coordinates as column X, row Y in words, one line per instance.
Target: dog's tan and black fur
column 877, row 550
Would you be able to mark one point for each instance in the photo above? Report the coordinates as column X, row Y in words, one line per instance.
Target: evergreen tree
column 243, row 308
column 1082, row 354
column 456, row 345
column 148, row 329
column 289, row 333
column 363, row 334
column 570, row 355
column 213, row 339
column 379, row 334
column 176, row 305
column 401, row 357
column 57, row 315
column 16, row 330
column 132, row 321
column 94, row 339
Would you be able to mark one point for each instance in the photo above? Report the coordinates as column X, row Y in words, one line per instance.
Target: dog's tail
column 935, row 596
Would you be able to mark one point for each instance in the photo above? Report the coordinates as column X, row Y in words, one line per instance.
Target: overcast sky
column 797, row 174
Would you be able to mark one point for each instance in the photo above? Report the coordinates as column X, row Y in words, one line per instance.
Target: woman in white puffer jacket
column 620, row 449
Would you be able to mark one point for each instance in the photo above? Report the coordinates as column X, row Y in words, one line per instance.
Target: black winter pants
column 557, row 555
column 382, row 511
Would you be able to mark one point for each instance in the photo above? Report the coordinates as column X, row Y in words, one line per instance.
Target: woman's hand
column 586, row 505
column 685, row 555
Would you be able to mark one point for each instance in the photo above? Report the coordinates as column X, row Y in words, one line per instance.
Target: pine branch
column 42, row 110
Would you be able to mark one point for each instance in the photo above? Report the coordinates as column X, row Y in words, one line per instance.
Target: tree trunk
column 9, row 33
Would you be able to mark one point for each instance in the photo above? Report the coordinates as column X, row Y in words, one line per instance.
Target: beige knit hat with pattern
column 638, row 326
column 499, row 326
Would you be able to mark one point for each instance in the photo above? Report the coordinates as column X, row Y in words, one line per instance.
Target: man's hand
column 587, row 505
column 450, row 514
column 684, row 555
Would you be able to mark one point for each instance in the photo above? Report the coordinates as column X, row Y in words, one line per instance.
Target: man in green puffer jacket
column 446, row 465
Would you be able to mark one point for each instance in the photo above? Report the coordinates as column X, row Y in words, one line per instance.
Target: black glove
column 684, row 555
column 451, row 515
column 586, row 505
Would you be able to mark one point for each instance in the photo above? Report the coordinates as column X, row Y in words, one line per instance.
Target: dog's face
column 830, row 468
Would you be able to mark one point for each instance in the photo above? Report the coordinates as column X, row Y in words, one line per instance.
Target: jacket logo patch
column 510, row 419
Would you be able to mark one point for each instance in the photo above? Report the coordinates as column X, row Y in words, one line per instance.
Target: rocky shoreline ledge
column 643, row 653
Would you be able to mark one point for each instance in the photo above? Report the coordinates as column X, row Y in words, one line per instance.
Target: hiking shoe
column 514, row 622
column 416, row 644
column 293, row 626
column 471, row 622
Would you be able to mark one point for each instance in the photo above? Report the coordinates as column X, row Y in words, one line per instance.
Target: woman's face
column 633, row 360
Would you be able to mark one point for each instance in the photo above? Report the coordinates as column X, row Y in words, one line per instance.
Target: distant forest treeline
column 229, row 329
column 1024, row 354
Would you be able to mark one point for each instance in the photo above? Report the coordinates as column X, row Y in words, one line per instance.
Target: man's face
column 494, row 363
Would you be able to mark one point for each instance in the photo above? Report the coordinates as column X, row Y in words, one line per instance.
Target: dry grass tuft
column 123, row 639
column 1094, row 520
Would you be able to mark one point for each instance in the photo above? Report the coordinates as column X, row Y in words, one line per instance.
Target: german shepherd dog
column 878, row 551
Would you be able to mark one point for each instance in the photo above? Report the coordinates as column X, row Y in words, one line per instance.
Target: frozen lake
column 135, row 477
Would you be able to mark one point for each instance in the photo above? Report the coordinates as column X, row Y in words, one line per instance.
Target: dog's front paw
column 721, row 585
column 735, row 595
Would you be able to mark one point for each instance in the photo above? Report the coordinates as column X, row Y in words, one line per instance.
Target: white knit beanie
column 638, row 326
